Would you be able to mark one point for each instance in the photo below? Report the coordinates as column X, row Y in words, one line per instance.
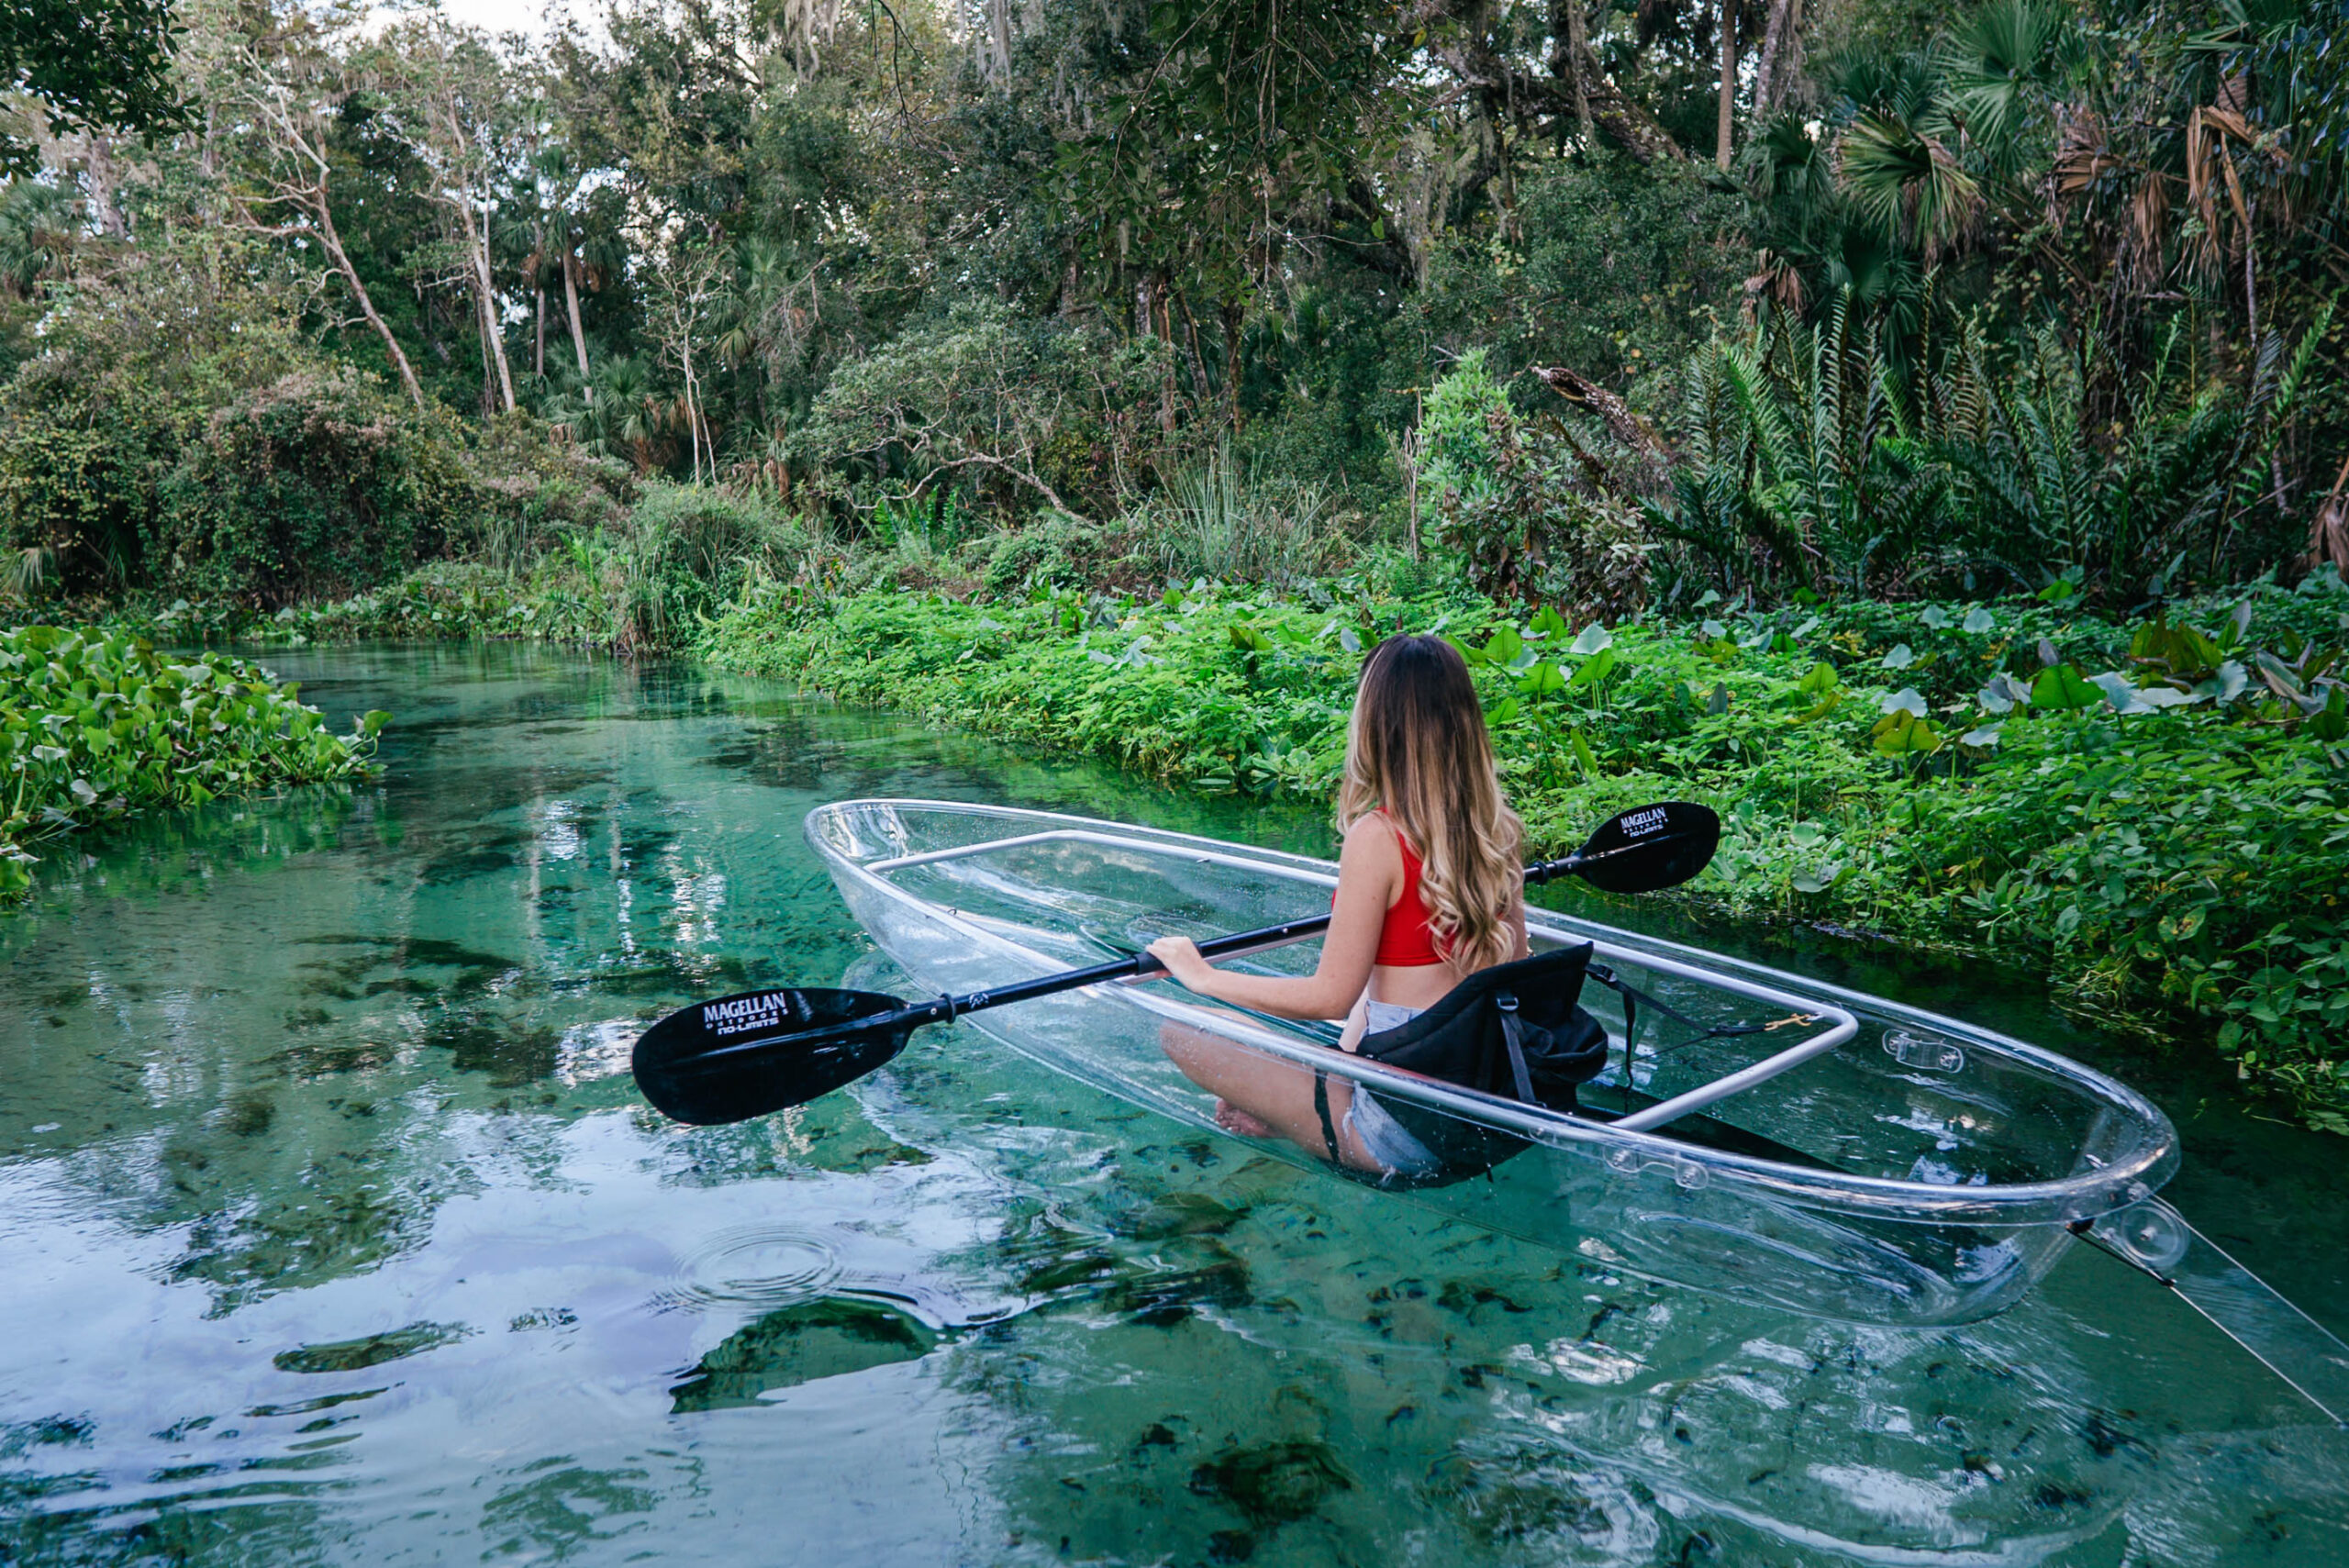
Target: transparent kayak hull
column 1861, row 1161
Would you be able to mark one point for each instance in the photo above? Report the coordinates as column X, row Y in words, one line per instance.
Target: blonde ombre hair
column 1416, row 747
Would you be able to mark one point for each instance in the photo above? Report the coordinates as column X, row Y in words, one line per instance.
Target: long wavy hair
column 1416, row 749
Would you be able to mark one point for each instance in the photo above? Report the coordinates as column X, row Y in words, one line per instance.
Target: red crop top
column 1406, row 941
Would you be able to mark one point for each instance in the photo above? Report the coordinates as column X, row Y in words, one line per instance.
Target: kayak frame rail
column 1842, row 1026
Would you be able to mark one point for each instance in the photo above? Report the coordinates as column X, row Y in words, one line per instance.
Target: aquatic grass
column 96, row 724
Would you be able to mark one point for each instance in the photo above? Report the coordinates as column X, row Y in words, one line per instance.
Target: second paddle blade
column 757, row 1051
column 1651, row 848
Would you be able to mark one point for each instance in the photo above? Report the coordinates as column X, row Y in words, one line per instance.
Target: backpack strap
column 1511, row 1027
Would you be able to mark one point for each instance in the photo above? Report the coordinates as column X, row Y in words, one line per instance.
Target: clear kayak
column 1857, row 1159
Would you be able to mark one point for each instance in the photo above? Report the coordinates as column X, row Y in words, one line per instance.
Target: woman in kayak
column 1430, row 891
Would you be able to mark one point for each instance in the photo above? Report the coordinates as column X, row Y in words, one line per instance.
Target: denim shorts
column 1382, row 1137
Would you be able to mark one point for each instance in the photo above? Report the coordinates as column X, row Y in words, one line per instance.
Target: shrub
column 319, row 483
column 1221, row 519
column 1516, row 501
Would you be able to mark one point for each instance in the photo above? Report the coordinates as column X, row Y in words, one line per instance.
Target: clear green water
column 334, row 1233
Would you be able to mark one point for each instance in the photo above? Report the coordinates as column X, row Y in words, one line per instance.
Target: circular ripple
column 756, row 1267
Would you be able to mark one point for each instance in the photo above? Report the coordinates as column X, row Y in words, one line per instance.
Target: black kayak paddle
column 756, row 1051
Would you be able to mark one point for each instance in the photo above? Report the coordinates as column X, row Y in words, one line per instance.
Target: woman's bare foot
column 1232, row 1119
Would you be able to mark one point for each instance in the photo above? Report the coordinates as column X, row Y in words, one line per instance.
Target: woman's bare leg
column 1273, row 1092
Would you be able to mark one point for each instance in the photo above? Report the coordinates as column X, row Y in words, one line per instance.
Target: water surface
column 335, row 1233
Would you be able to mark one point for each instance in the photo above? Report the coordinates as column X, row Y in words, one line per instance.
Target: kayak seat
column 1516, row 1030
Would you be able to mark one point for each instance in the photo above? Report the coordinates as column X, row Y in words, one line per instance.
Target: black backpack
column 1516, row 1030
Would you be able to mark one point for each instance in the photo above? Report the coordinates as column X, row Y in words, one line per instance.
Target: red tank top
column 1406, row 941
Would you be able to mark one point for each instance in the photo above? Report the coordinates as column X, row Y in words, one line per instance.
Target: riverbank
column 2151, row 813
column 2154, row 814
column 96, row 724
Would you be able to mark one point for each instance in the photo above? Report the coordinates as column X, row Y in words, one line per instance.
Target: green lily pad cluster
column 93, row 725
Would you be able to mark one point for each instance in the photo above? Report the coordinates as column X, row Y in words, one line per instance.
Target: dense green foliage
column 93, row 725
column 2158, row 812
column 92, row 64
column 2046, row 292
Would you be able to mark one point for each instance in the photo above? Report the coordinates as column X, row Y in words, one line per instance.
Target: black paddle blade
column 757, row 1051
column 1650, row 847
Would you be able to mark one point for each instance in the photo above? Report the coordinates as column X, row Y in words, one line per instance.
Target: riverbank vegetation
column 1916, row 431
column 94, row 726
column 2154, row 813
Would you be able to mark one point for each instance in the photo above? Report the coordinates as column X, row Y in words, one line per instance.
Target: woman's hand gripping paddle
column 757, row 1051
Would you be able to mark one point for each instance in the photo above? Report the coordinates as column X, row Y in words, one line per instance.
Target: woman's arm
column 1370, row 877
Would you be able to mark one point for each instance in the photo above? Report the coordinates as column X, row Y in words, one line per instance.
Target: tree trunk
column 1569, row 48
column 341, row 259
column 1620, row 119
column 1202, row 390
column 1727, row 117
column 538, row 300
column 570, row 302
column 492, row 329
column 1780, row 43
column 693, row 406
column 1235, row 317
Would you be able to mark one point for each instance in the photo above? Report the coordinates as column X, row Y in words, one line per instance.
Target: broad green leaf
column 1935, row 617
column 1541, row 679
column 1899, row 657
column 2120, row 692
column 1908, row 699
column 2127, row 697
column 1904, row 734
column 2228, row 683
column 1986, row 736
column 1978, row 621
column 2003, row 693
column 2064, row 689
column 1595, row 671
column 2330, row 723
column 1548, row 623
column 1821, row 679
column 1595, row 639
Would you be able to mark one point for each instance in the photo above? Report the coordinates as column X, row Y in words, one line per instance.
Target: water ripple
column 758, row 1267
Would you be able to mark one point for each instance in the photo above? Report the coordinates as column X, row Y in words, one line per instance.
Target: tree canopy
column 1017, row 257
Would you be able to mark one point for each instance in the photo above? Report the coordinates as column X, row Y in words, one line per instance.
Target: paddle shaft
column 944, row 1009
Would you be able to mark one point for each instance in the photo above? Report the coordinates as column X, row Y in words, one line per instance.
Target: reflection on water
column 335, row 1233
